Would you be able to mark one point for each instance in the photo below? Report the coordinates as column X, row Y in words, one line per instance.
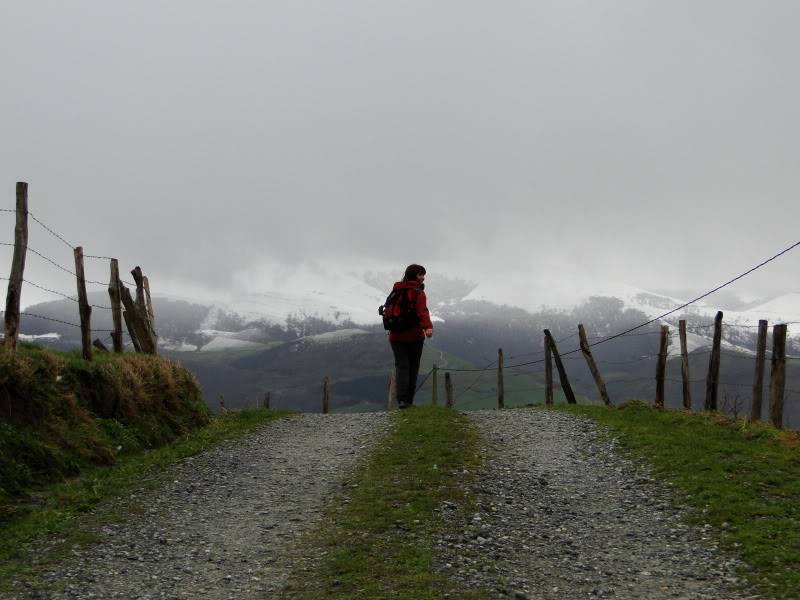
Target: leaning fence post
column 84, row 309
column 17, row 267
column 137, row 323
column 326, row 395
column 435, row 384
column 448, row 390
column 501, row 391
column 116, row 305
column 758, row 379
column 144, row 309
column 661, row 365
column 687, row 393
column 712, row 382
column 778, row 376
column 587, row 354
column 548, row 372
column 562, row 372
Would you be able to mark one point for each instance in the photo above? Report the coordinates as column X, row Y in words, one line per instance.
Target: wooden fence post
column 392, row 401
column 84, row 309
column 687, row 392
column 661, row 365
column 712, row 382
column 116, row 305
column 144, row 306
column 17, row 267
column 131, row 331
column 448, row 390
column 587, row 354
column 222, row 409
column 136, row 321
column 149, row 302
column 501, row 390
column 326, row 395
column 435, row 384
column 562, row 372
column 548, row 372
column 267, row 399
column 758, row 379
column 777, row 382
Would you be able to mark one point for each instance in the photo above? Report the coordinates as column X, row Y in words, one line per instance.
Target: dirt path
column 562, row 516
column 224, row 525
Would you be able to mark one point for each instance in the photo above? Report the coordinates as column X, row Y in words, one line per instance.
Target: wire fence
column 524, row 368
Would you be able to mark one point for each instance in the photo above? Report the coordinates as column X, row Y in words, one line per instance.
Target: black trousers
column 406, row 365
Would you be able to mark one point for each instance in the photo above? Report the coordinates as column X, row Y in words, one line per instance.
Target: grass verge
column 379, row 541
column 741, row 478
column 60, row 518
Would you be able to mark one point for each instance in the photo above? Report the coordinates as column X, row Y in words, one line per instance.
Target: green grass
column 741, row 478
column 61, row 414
column 380, row 544
column 60, row 512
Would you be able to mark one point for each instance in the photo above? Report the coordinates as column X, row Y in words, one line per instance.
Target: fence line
column 138, row 315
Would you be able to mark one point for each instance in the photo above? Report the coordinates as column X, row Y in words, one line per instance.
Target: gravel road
column 561, row 515
column 224, row 525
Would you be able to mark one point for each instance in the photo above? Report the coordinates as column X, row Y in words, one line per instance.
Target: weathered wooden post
column 138, row 278
column 548, row 373
column 712, row 381
column 136, row 320
column 587, row 354
column 149, row 302
column 562, row 372
column 758, row 378
column 84, row 309
column 448, row 390
column 267, row 399
column 17, row 267
column 222, row 409
column 777, row 382
column 144, row 306
column 435, row 384
column 137, row 347
column 116, row 305
column 326, row 395
column 687, row 392
column 661, row 365
column 392, row 401
column 501, row 392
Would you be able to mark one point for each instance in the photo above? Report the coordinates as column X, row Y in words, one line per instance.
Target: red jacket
column 417, row 295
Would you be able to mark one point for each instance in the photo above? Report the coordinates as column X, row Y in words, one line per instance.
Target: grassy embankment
column 380, row 543
column 75, row 433
column 741, row 478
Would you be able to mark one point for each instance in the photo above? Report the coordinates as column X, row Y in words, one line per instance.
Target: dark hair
column 412, row 271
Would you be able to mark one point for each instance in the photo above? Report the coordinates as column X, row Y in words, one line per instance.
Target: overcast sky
column 652, row 143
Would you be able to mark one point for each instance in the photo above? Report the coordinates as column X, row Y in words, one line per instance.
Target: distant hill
column 244, row 354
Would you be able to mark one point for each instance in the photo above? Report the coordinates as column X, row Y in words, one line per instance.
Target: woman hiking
column 407, row 343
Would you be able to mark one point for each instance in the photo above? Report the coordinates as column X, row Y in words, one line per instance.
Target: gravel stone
column 562, row 515
column 225, row 523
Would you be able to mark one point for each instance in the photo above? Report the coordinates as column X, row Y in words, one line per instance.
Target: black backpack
column 399, row 312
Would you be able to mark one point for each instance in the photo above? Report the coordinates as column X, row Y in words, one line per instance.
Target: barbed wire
column 27, row 314
column 63, row 295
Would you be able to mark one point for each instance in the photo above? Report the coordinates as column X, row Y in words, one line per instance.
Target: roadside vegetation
column 741, row 478
column 377, row 541
column 74, row 434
